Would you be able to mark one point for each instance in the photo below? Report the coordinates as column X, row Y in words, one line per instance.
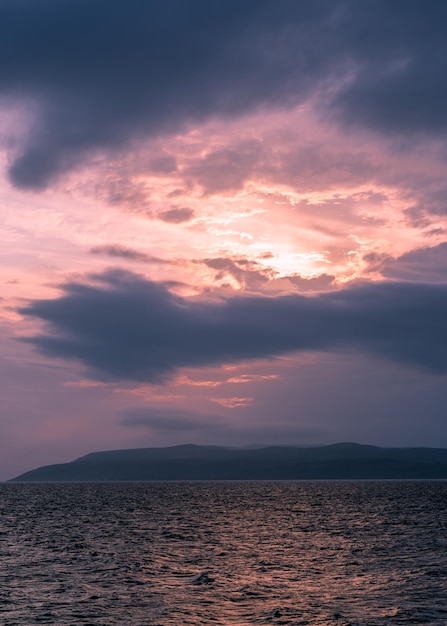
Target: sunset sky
column 222, row 222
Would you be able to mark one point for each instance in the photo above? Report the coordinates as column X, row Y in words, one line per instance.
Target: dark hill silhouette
column 192, row 462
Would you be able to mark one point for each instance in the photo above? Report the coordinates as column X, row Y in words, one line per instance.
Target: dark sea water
column 296, row 553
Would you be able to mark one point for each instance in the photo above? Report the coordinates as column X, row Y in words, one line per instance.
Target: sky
column 221, row 223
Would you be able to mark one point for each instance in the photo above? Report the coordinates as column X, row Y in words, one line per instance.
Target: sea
column 219, row 553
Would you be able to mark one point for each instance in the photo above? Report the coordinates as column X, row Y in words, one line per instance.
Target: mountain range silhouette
column 194, row 462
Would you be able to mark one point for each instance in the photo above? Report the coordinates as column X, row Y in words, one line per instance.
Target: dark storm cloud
column 99, row 74
column 400, row 48
column 125, row 327
column 423, row 264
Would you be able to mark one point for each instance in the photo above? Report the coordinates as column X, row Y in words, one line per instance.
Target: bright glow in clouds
column 307, row 189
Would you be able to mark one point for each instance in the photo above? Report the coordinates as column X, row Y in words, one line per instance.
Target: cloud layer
column 124, row 327
column 98, row 75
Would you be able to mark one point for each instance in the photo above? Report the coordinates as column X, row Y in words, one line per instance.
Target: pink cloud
column 233, row 402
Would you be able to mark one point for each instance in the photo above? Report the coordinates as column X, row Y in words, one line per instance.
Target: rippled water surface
column 224, row 553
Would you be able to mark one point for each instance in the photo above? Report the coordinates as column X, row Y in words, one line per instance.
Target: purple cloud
column 124, row 327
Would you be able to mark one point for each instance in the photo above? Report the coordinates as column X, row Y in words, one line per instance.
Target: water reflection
column 224, row 553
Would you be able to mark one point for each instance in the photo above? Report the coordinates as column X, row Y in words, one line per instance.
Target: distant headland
column 193, row 462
